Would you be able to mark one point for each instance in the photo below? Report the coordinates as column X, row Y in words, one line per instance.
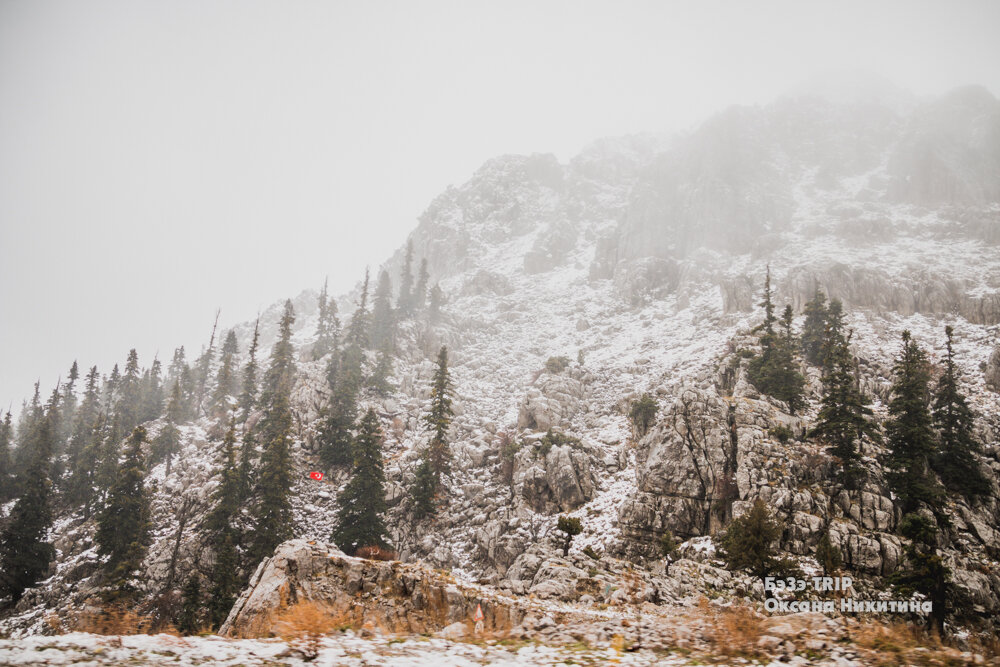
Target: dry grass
column 119, row 620
column 909, row 644
column 304, row 624
column 736, row 630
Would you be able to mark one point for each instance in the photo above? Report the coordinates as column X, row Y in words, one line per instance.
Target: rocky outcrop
column 992, row 372
column 551, row 402
column 557, row 480
column 398, row 596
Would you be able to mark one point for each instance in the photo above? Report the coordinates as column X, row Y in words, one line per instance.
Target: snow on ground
column 345, row 649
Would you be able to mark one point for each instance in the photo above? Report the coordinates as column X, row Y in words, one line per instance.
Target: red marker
column 318, row 476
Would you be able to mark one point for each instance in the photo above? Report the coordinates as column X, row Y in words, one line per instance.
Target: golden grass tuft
column 304, row 624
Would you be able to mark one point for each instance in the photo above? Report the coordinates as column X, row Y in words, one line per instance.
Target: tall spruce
column 221, row 528
column 405, row 300
column 436, row 301
column 151, row 401
column 774, row 370
column 123, row 526
column 204, row 366
column 127, row 410
column 361, row 503
column 273, row 508
column 911, row 438
column 438, row 420
column 167, row 442
column 923, row 570
column 248, row 397
column 814, row 328
column 6, row 476
column 956, row 460
column 327, row 325
column 844, row 418
column 81, row 453
column 24, row 553
column 227, row 378
column 383, row 327
column 420, row 289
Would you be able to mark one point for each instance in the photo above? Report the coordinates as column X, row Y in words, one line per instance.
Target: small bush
column 642, row 414
column 590, row 553
column 572, row 526
column 781, row 433
column 304, row 624
column 115, row 620
column 556, row 365
column 553, row 439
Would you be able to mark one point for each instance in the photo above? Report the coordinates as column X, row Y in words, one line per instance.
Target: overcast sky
column 161, row 159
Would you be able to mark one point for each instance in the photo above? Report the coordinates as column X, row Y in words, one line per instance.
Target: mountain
column 570, row 290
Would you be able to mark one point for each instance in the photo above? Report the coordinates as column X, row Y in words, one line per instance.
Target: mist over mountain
column 603, row 322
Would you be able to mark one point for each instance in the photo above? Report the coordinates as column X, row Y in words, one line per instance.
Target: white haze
column 161, row 159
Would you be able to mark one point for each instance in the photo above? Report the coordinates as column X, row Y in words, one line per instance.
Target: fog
column 161, row 160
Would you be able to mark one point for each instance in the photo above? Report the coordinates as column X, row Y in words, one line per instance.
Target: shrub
column 572, row 527
column 553, row 439
column 746, row 543
column 781, row 433
column 304, row 624
column 556, row 365
column 827, row 555
column 642, row 414
column 590, row 553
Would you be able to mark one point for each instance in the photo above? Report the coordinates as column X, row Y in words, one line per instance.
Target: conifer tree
column 405, row 300
column 844, row 418
column 124, row 522
column 424, row 490
column 167, row 443
column 189, row 618
column 571, row 527
column 438, row 420
column 923, row 570
column 68, row 403
column 383, row 328
column 273, row 509
column 361, row 503
column 248, row 398
column 151, row 403
column 420, row 289
column 746, row 544
column 434, row 309
column 828, row 556
column 814, row 328
column 773, row 371
column 248, row 461
column 327, row 325
column 911, row 437
column 204, row 366
column 24, row 553
column 223, row 534
column 6, row 478
column 81, row 452
column 346, row 379
column 833, row 335
column 956, row 456
column 128, row 407
column 226, row 380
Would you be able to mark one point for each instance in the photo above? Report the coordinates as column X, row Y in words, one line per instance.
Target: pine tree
column 923, row 570
column 189, row 619
column 844, row 418
column 814, row 328
column 911, row 437
column 746, row 543
column 81, row 450
column 129, row 390
column 68, row 404
column 379, row 379
column 204, row 366
column 327, row 325
column 24, row 553
column 226, row 380
column 248, row 399
column 6, row 478
column 405, row 300
column 222, row 533
column 434, row 309
column 424, row 491
column 956, row 456
column 248, row 461
column 828, row 556
column 361, row 503
column 420, row 289
column 773, row 371
column 383, row 328
column 438, row 420
column 167, row 443
column 571, row 527
column 273, row 509
column 346, row 379
column 833, row 336
column 151, row 403
column 124, row 522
